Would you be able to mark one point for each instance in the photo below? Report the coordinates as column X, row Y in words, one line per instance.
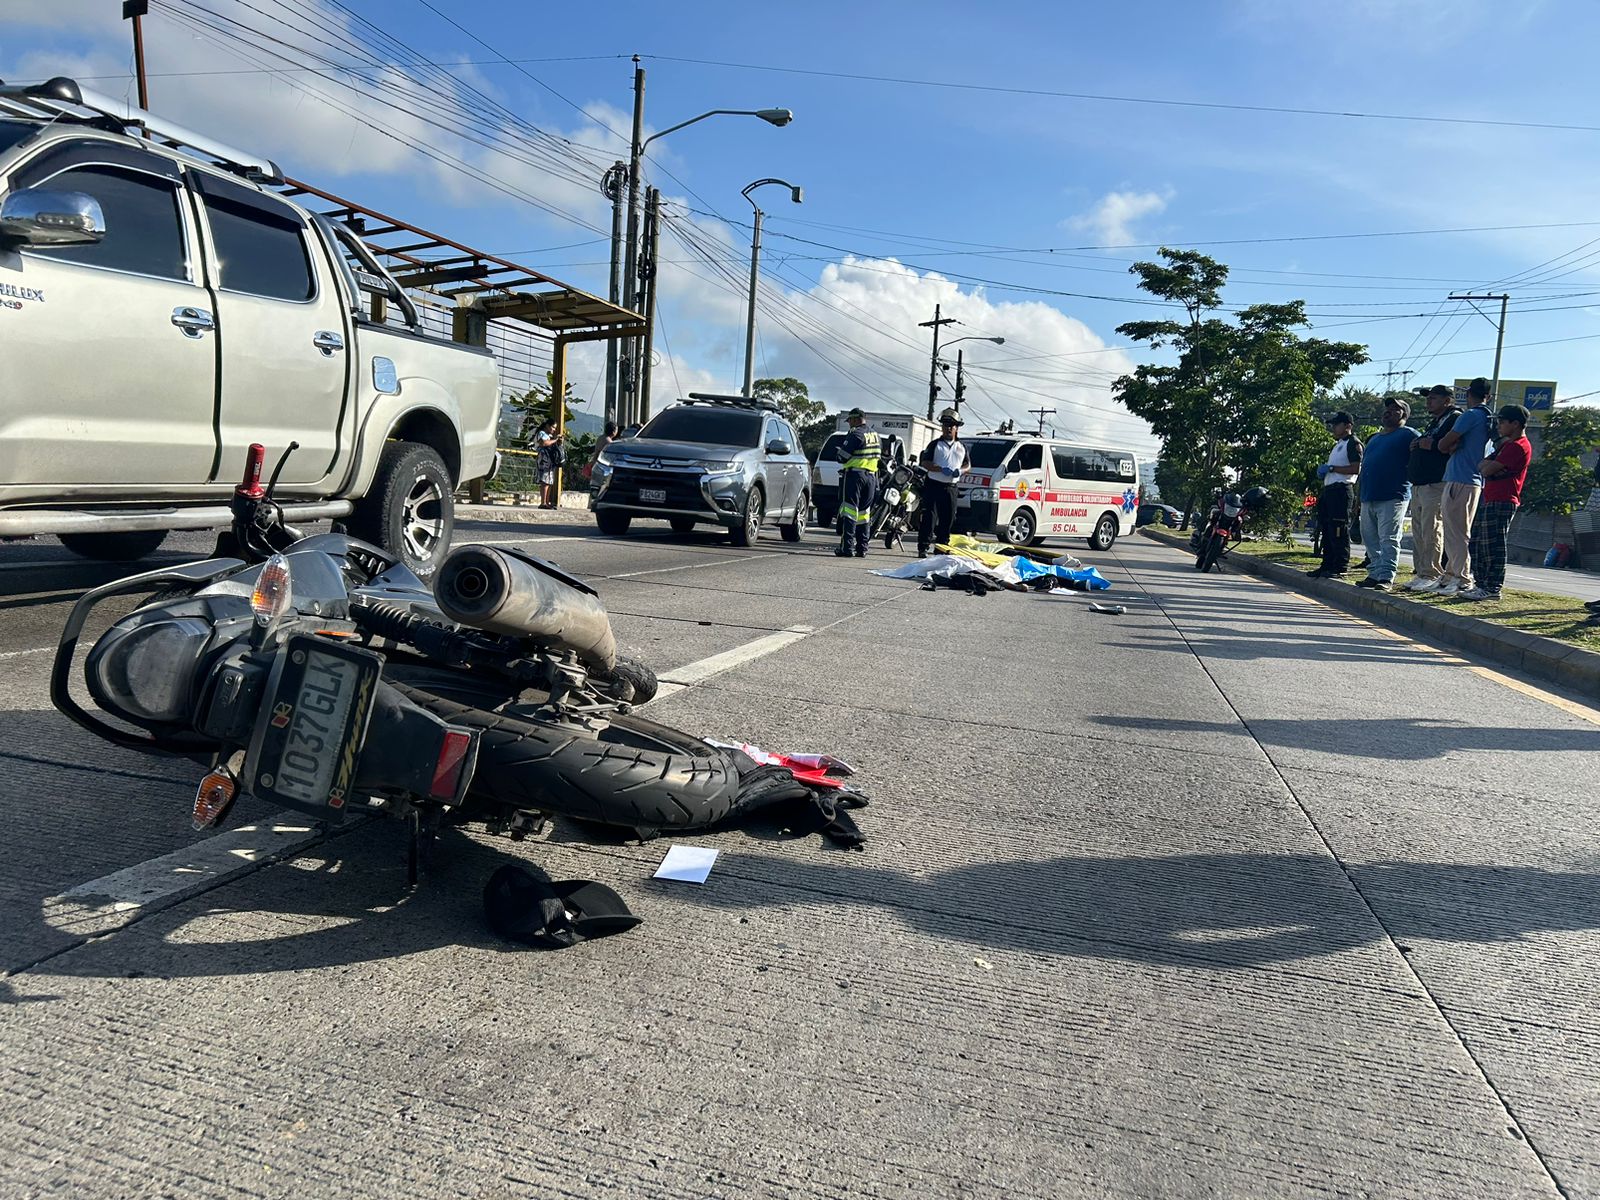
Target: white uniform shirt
column 946, row 461
column 1339, row 456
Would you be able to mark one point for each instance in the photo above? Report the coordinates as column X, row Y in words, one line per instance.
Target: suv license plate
column 653, row 495
column 312, row 725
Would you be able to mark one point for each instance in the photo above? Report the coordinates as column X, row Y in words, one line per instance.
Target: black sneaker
column 1370, row 582
column 861, row 553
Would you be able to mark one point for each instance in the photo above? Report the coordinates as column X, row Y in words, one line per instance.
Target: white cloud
column 854, row 337
column 1111, row 220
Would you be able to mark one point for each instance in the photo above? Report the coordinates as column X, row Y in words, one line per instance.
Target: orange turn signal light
column 212, row 798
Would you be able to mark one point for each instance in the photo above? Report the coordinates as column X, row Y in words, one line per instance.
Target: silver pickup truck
column 161, row 308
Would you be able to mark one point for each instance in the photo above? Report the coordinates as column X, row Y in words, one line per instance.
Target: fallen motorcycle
column 1223, row 523
column 320, row 674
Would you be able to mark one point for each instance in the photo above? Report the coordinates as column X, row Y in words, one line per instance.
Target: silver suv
column 708, row 460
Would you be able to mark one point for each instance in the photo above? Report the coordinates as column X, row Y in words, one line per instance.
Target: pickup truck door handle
column 193, row 321
column 327, row 341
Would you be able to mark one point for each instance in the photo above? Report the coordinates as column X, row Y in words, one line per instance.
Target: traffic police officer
column 859, row 455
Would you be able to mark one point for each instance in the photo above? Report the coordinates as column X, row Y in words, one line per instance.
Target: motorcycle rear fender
column 402, row 750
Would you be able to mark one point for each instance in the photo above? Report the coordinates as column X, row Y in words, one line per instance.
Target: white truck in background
column 903, row 434
column 162, row 308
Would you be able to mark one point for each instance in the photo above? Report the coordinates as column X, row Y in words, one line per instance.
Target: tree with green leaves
column 1557, row 481
column 1238, row 398
column 792, row 397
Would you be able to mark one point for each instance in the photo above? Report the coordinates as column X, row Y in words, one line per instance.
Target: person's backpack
column 557, row 451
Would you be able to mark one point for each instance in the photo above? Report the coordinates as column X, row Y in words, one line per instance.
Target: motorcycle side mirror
column 272, row 483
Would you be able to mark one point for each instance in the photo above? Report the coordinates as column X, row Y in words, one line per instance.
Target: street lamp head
column 775, row 116
column 998, row 341
column 797, row 194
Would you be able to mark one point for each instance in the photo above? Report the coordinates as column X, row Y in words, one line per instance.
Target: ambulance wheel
column 1020, row 530
column 1105, row 533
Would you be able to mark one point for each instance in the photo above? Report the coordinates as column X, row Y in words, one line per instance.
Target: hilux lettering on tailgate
column 21, row 293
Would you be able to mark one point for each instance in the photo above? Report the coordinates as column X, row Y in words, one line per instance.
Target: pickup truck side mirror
column 779, row 446
column 39, row 217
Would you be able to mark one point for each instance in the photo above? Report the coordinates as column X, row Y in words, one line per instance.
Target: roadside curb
column 1569, row 666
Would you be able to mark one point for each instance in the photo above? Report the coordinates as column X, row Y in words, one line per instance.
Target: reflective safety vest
column 866, row 458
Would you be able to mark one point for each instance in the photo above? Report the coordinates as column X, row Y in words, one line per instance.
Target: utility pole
column 135, row 11
column 1043, row 413
column 933, row 368
column 612, row 185
column 648, row 277
column 961, row 388
column 750, row 316
column 630, row 269
column 1500, row 337
column 1391, row 373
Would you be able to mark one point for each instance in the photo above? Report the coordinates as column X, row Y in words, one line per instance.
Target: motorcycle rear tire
column 633, row 774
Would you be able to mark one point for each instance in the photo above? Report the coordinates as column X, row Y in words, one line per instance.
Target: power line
column 1116, row 99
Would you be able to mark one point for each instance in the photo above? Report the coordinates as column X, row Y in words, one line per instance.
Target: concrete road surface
column 1232, row 895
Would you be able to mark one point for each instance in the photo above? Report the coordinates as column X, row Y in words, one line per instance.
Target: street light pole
column 796, row 194
column 634, row 366
column 961, row 389
column 933, row 367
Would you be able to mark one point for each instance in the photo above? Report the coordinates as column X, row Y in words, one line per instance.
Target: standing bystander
column 1338, row 475
column 1385, row 493
column 1463, row 483
column 1426, row 473
column 1503, row 473
column 945, row 459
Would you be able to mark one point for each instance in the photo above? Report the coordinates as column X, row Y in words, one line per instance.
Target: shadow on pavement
column 346, row 902
column 1408, row 739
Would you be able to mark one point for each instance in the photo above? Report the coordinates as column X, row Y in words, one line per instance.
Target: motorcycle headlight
column 144, row 669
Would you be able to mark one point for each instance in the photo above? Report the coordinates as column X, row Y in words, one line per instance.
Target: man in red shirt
column 1503, row 473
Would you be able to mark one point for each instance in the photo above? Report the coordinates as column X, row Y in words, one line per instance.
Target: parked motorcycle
column 1224, row 523
column 897, row 507
column 320, row 674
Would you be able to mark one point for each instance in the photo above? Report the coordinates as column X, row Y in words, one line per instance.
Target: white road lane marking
column 686, row 676
column 5, row 654
column 713, row 562
column 122, row 896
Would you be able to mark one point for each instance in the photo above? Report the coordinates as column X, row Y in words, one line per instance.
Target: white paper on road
column 687, row 864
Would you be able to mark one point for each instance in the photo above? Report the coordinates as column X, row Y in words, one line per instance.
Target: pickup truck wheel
column 115, row 547
column 613, row 524
column 755, row 511
column 408, row 511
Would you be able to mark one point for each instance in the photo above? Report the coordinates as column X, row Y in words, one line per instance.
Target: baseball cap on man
column 855, row 414
column 1341, row 418
column 1398, row 402
column 1479, row 387
column 1442, row 389
column 1513, row 412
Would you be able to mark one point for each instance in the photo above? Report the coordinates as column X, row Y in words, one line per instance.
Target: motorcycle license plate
column 653, row 495
column 308, row 738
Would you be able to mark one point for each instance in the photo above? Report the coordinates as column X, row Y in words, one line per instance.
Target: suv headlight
column 719, row 466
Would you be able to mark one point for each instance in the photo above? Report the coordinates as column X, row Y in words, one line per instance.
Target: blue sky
column 991, row 199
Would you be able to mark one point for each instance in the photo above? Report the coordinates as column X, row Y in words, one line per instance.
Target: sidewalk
column 1560, row 662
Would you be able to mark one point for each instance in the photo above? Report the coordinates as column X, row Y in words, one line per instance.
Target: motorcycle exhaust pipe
column 523, row 596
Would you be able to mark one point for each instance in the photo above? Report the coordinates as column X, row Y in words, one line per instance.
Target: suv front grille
column 682, row 487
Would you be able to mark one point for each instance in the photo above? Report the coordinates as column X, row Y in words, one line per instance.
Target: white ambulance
column 1024, row 489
